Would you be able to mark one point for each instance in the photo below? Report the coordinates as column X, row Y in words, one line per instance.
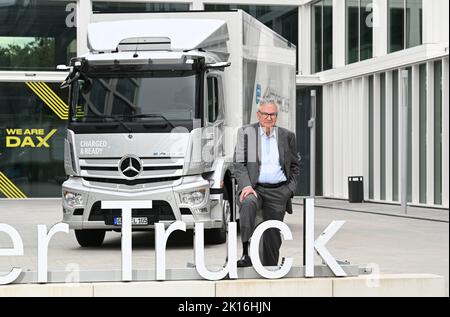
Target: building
column 352, row 53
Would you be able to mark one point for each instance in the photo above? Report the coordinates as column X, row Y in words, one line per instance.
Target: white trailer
column 154, row 110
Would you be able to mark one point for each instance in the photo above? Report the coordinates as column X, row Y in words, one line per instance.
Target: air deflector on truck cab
column 184, row 34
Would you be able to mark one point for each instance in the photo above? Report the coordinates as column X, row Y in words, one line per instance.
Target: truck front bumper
column 78, row 213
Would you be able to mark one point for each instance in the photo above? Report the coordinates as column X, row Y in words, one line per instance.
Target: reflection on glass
column 396, row 22
column 322, row 35
column 317, row 37
column 405, row 24
column 136, row 7
column 358, row 30
column 366, row 29
column 171, row 94
column 327, row 34
column 37, row 170
column 36, row 35
column 352, row 26
column 413, row 23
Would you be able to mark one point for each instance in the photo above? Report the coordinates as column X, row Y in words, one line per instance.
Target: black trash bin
column 355, row 189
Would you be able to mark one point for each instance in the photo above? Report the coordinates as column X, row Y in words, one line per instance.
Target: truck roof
column 173, row 34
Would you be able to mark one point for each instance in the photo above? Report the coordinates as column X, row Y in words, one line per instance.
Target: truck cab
column 153, row 116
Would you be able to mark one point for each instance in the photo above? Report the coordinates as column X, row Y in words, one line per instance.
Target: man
column 266, row 170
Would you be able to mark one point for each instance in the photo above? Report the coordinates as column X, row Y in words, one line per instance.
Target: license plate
column 135, row 221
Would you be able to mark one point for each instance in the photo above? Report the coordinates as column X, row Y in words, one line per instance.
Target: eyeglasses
column 266, row 115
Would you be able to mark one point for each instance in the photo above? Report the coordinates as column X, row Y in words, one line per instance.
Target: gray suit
column 274, row 202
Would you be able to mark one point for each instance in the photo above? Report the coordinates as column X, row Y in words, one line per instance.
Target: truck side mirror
column 72, row 77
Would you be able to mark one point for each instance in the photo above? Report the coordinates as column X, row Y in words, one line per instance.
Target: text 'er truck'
column 154, row 109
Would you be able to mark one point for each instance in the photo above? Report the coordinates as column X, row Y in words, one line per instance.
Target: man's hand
column 247, row 191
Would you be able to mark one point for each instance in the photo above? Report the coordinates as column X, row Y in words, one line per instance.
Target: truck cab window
column 213, row 99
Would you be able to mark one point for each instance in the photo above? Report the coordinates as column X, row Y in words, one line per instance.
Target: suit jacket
column 247, row 158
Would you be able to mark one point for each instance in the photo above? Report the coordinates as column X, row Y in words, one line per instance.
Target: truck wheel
column 90, row 238
column 219, row 235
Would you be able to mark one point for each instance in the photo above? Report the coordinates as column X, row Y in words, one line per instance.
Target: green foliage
column 38, row 54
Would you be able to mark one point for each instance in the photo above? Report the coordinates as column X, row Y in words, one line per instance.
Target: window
column 281, row 19
column 405, row 24
column 36, row 35
column 29, row 114
column 359, row 30
column 136, row 7
column 213, row 99
column 322, row 35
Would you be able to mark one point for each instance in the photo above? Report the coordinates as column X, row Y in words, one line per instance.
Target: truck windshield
column 164, row 96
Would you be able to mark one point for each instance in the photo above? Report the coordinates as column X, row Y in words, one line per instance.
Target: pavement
column 376, row 235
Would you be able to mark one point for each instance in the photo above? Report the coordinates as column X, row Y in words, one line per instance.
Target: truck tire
column 90, row 238
column 219, row 235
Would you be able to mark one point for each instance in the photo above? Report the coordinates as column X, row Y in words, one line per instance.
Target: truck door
column 214, row 111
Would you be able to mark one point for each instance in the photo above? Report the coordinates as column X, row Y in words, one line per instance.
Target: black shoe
column 244, row 261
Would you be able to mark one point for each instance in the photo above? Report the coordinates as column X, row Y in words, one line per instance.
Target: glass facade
column 404, row 24
column 322, row 36
column 359, row 31
column 137, row 7
column 303, row 115
column 352, row 30
column 281, row 19
column 413, row 23
column 36, row 35
column 32, row 139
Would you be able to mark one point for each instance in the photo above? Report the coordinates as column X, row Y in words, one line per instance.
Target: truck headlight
column 72, row 199
column 193, row 198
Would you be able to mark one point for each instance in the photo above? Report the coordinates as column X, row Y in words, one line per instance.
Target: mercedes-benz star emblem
column 130, row 166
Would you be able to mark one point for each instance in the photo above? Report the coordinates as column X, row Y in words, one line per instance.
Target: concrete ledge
column 288, row 287
column 390, row 285
column 155, row 289
column 46, row 290
column 420, row 285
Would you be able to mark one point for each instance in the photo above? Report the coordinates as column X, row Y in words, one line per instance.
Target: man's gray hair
column 268, row 101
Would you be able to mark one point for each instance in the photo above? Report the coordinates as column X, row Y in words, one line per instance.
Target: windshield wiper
column 115, row 118
column 151, row 116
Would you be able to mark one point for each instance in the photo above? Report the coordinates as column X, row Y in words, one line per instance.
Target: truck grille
column 160, row 210
column 154, row 169
column 131, row 182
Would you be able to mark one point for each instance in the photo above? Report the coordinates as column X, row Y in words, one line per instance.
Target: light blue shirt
column 270, row 172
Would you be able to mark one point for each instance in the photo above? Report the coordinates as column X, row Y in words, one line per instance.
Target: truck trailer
column 155, row 106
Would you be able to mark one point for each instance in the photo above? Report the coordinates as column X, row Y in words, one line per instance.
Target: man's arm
column 240, row 161
column 295, row 165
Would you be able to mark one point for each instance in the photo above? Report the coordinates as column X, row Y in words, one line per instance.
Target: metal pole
column 308, row 236
column 404, row 141
column 312, row 161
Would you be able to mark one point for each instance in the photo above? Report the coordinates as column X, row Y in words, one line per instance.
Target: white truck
column 154, row 109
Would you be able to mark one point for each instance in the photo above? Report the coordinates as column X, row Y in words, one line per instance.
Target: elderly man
column 266, row 168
